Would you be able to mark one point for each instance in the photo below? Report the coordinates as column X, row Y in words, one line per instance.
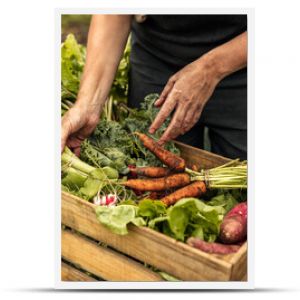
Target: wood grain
column 239, row 263
column 69, row 273
column 103, row 262
column 200, row 158
column 146, row 245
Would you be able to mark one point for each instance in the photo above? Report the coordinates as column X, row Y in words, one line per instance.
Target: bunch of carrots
column 181, row 181
column 175, row 177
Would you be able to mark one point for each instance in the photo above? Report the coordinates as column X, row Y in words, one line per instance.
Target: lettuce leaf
column 116, row 218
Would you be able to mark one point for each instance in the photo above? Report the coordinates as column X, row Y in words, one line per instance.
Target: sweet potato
column 173, row 161
column 233, row 228
column 195, row 189
column 215, row 248
column 159, row 184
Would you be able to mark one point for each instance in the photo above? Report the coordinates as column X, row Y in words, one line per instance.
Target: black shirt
column 172, row 41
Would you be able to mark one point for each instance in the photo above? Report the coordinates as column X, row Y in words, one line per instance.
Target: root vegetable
column 215, row 248
column 153, row 172
column 168, row 158
column 195, row 189
column 158, row 184
column 234, row 225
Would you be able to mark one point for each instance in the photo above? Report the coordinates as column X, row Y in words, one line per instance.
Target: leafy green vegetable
column 109, row 145
column 224, row 199
column 72, row 63
column 188, row 217
column 114, row 144
column 116, row 218
column 150, row 209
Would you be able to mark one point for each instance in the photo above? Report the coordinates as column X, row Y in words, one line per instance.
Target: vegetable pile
column 133, row 180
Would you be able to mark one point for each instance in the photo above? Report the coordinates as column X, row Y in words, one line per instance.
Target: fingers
column 191, row 119
column 164, row 94
column 187, row 122
column 175, row 127
column 164, row 112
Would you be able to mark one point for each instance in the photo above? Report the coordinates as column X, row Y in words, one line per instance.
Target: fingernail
column 151, row 130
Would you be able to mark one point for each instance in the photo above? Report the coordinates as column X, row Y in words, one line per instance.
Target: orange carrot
column 153, row 172
column 159, row 184
column 166, row 157
column 195, row 189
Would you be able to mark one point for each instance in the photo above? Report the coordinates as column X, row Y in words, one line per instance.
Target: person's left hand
column 187, row 92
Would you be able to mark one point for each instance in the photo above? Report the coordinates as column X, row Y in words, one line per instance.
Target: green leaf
column 116, row 218
column 225, row 200
column 91, row 187
column 178, row 221
column 151, row 209
column 74, row 179
column 72, row 62
column 195, row 213
column 138, row 221
column 154, row 222
column 198, row 233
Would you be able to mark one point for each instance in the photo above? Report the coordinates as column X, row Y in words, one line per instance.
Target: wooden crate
column 87, row 245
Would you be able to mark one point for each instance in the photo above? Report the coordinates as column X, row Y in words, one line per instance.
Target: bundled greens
column 86, row 181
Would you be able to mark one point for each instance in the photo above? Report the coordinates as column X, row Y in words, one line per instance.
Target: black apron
column 164, row 44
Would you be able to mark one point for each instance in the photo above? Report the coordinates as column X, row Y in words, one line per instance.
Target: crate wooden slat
column 154, row 248
column 69, row 273
column 200, row 158
column 103, row 262
column 146, row 245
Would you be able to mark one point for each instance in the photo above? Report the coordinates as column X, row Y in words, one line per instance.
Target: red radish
column 215, row 248
column 234, row 225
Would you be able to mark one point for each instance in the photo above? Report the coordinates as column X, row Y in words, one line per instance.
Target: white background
column 27, row 157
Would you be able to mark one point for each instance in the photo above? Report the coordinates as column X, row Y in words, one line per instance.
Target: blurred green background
column 76, row 24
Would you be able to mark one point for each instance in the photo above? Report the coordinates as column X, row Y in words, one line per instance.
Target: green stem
column 69, row 158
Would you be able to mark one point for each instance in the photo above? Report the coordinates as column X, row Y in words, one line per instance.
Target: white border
column 250, row 64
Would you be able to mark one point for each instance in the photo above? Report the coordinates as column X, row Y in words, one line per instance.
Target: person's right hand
column 77, row 124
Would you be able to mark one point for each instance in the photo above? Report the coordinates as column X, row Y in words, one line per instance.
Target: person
column 197, row 63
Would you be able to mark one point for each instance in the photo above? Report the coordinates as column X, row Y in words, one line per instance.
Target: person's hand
column 77, row 124
column 186, row 92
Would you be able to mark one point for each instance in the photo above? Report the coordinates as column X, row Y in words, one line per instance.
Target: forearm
column 106, row 42
column 229, row 57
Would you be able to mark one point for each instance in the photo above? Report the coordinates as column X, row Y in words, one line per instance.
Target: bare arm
column 106, row 42
column 188, row 90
